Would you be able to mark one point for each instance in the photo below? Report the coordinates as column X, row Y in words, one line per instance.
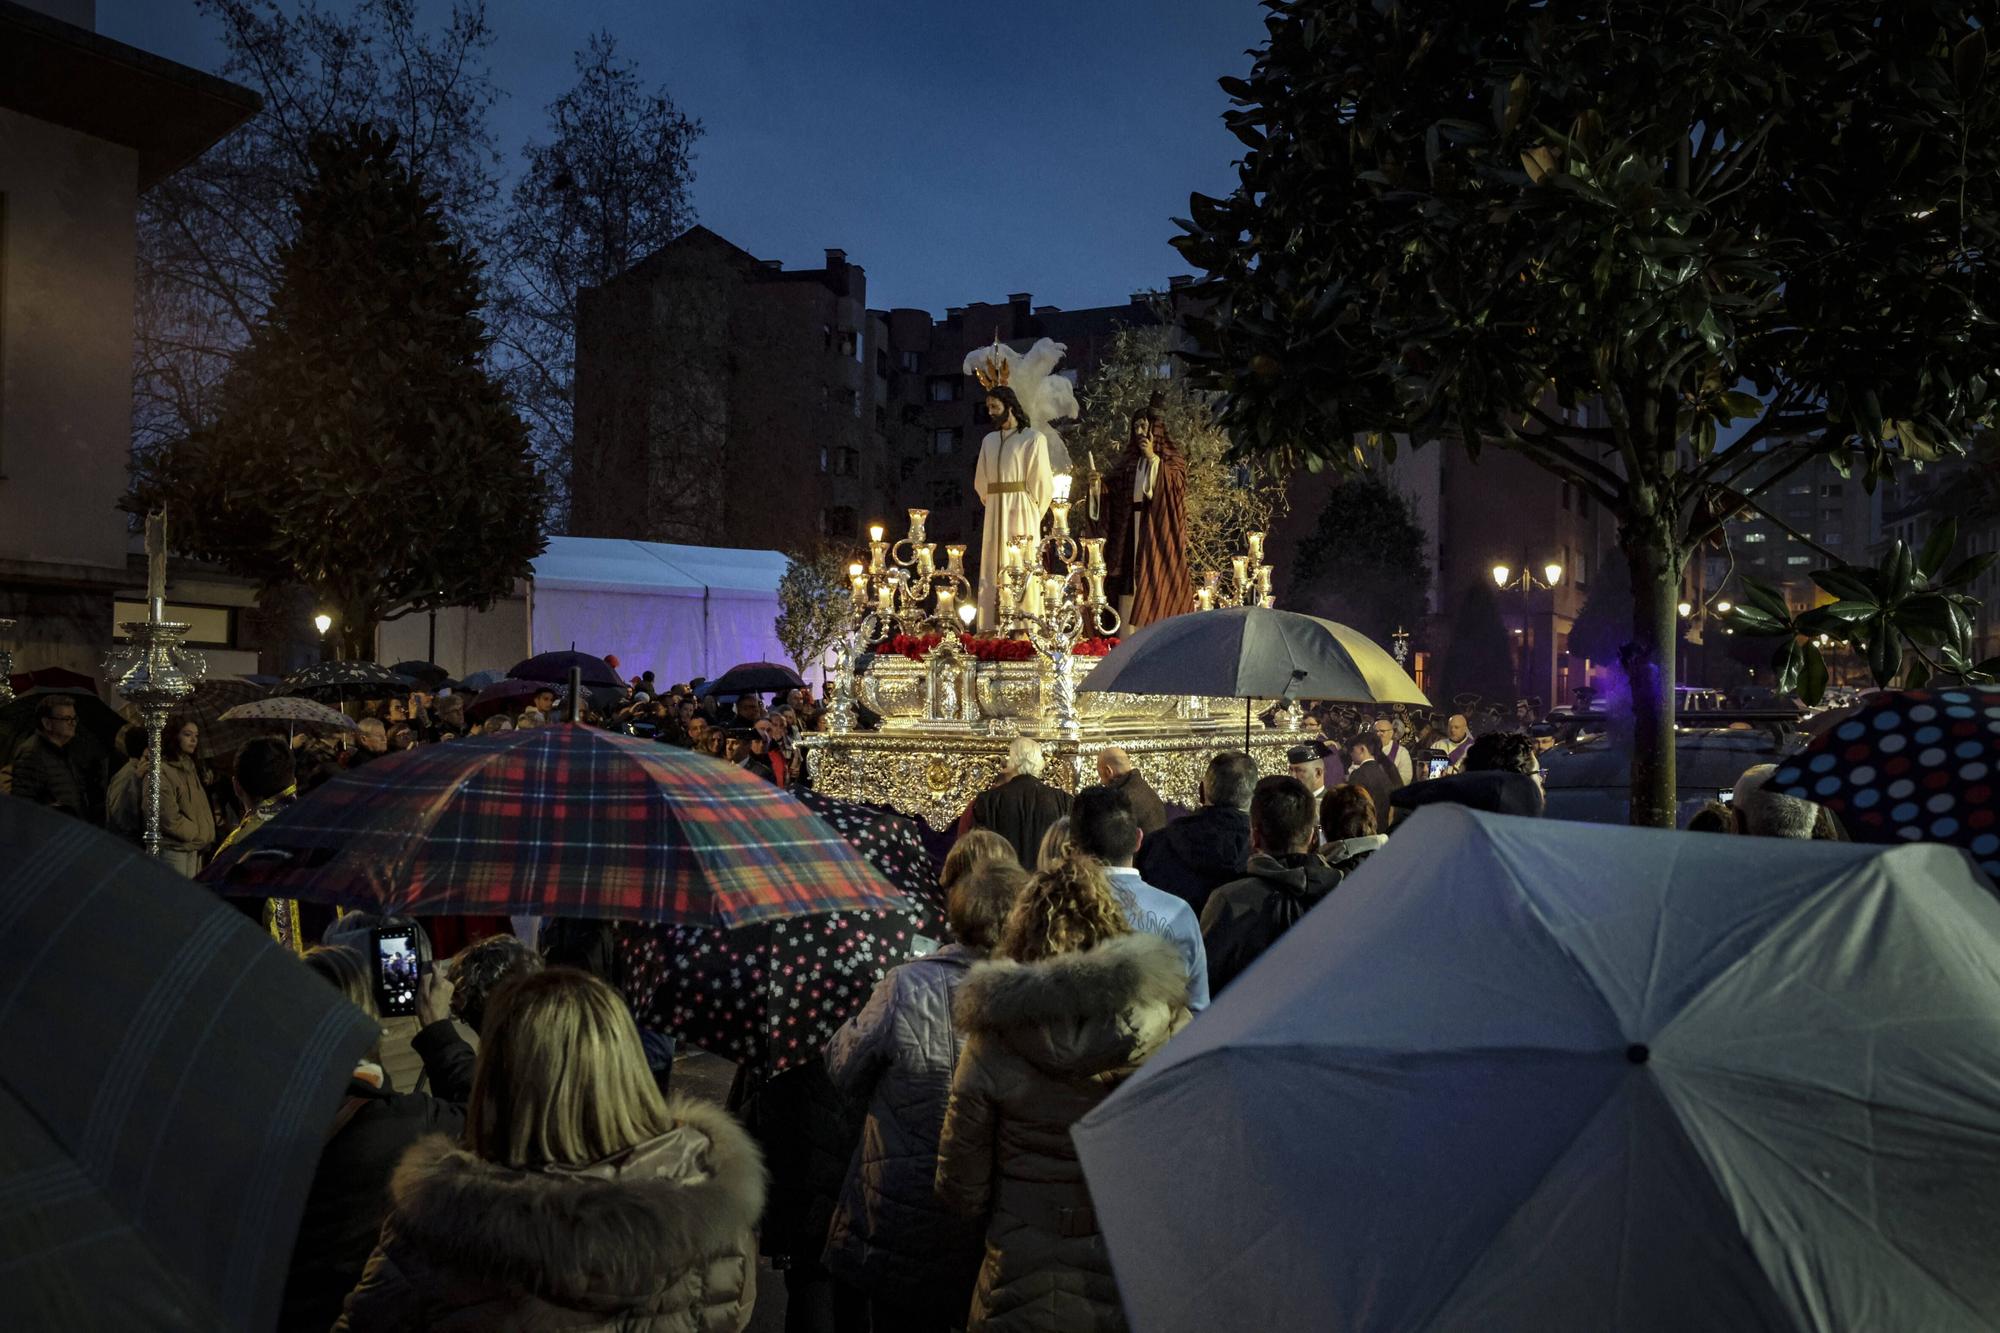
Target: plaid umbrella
column 558, row 821
column 215, row 696
column 1910, row 766
column 775, row 993
column 553, row 668
column 167, row 1079
column 347, row 680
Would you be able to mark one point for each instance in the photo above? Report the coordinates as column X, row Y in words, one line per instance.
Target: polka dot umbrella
column 1910, row 766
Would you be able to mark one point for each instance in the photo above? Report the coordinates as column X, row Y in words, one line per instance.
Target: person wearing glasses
column 52, row 769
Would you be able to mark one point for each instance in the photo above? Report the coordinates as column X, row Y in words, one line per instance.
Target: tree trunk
column 357, row 638
column 1649, row 668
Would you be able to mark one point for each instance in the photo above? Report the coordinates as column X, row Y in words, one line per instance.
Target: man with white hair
column 1767, row 814
column 1021, row 806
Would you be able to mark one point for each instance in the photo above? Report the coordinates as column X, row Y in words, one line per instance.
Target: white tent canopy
column 678, row 611
column 1522, row 1075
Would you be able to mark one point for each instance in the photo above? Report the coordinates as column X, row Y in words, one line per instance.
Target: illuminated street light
column 322, row 622
column 1723, row 606
column 1686, row 609
column 1553, row 572
column 1501, row 574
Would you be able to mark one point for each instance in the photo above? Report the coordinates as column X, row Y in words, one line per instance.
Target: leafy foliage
column 813, row 605
column 608, row 187
column 1913, row 600
column 1226, row 498
column 360, row 447
column 1631, row 240
column 1479, row 659
column 1365, row 563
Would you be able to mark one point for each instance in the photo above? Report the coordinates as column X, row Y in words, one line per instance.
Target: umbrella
column 1910, row 764
column 753, row 678
column 347, row 680
column 98, row 723
column 509, row 696
column 558, row 821
column 1524, row 1075
column 52, row 678
column 167, row 1079
column 774, row 993
column 428, row 675
column 1251, row 652
column 479, row 680
column 554, row 669
column 212, row 698
column 294, row 713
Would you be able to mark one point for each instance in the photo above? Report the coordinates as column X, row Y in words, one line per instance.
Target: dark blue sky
column 958, row 152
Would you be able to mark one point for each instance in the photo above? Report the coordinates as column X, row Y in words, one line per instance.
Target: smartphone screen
column 396, row 970
column 1437, row 767
column 1726, row 795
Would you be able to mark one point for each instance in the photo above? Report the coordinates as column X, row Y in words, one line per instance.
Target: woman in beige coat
column 1078, row 1003
column 187, row 820
column 582, row 1201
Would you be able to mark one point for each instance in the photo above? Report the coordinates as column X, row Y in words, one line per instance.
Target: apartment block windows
column 912, row 361
column 944, row 388
column 945, row 439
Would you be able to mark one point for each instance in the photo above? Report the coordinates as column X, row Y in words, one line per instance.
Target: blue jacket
column 1160, row 913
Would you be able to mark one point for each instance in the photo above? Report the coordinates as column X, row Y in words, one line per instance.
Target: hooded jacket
column 658, row 1238
column 1197, row 854
column 1044, row 1043
column 1245, row 918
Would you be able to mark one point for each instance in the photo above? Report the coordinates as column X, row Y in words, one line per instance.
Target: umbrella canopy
column 428, row 675
column 167, row 1079
column 753, row 678
column 52, row 678
column 292, row 713
column 1522, row 1075
column 558, row 821
column 1909, row 765
column 97, row 722
column 554, row 668
column 775, row 993
column 212, row 698
column 479, row 680
column 347, row 680
column 507, row 696
column 1254, row 653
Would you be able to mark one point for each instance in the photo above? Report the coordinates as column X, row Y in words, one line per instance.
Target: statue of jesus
column 1014, row 480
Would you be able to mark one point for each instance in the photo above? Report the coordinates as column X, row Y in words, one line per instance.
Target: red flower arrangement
column 917, row 647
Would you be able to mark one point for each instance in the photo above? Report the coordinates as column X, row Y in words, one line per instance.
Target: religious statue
column 1145, row 549
column 1014, row 479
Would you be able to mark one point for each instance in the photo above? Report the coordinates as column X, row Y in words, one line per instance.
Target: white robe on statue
column 1015, row 482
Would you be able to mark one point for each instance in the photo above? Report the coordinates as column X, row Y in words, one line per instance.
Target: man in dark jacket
column 1245, row 918
column 1115, row 769
column 1021, row 808
column 51, row 768
column 1197, row 854
column 1502, row 776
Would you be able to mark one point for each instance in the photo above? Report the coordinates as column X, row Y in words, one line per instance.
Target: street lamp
column 322, row 622
column 1686, row 609
column 1527, row 584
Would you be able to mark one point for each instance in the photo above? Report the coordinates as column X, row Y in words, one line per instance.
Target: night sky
column 958, row 152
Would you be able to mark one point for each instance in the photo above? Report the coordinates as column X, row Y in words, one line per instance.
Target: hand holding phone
column 396, row 964
column 434, row 992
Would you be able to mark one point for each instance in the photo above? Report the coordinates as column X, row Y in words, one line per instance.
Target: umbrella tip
column 1637, row 1053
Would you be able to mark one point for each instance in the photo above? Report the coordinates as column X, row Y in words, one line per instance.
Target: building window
column 913, row 361
column 1800, row 490
column 838, row 523
column 943, row 389
column 854, row 401
column 1831, row 489
column 1798, row 559
column 850, row 462
column 1830, row 539
column 944, row 440
column 881, row 364
column 824, row 459
column 1753, row 536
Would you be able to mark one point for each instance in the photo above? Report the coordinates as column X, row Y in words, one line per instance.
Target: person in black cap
column 1308, row 765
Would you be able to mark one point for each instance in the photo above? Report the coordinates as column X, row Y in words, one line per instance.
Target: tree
column 1670, row 252
column 1479, row 659
column 359, row 446
column 608, row 188
column 1226, row 497
column 210, row 235
column 1364, row 564
column 813, row 604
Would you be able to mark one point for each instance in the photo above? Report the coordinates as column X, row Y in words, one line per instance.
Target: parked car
column 1589, row 780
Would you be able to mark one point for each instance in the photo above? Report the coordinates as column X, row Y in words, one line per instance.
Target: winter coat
column 349, row 1195
column 1245, row 918
column 808, row 1133
column 1148, row 811
column 1021, row 810
column 1197, row 854
column 187, row 820
column 125, row 804
column 1044, row 1043
column 70, row 778
column 658, row 1238
column 1380, row 782
column 892, row 1236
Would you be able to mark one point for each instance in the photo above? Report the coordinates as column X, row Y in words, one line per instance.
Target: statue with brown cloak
column 1145, row 548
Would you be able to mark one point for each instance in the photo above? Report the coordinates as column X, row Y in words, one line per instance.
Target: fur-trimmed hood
column 601, row 1237
column 1080, row 1013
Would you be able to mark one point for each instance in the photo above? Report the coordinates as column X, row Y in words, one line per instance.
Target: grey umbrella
column 1250, row 652
column 167, row 1079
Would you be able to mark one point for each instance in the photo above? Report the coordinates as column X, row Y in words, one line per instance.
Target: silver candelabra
column 155, row 672
column 6, row 661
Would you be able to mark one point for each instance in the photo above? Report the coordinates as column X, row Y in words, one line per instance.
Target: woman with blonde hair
column 582, row 1200
column 1073, row 1005
column 1054, row 842
column 973, row 849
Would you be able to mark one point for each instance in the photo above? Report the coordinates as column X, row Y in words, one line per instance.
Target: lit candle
column 1264, row 581
column 1256, row 540
column 1204, row 598
column 1059, row 486
column 1212, row 580
column 945, row 607
column 876, row 532
column 156, row 564
column 885, row 598
column 926, row 560
column 1240, row 565
column 1093, row 553
column 1032, row 604
column 917, row 517
column 877, row 549
column 1059, row 513
column 860, row 582
column 954, row 557
column 1006, row 600
column 1053, row 590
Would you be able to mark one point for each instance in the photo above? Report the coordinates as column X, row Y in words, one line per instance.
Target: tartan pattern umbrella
column 558, row 821
column 1908, row 766
column 775, row 993
column 167, row 1080
column 347, row 680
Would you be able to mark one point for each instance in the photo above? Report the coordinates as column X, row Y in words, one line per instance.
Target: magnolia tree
column 1669, row 252
column 814, row 605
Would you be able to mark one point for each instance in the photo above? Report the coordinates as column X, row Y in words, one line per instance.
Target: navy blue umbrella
column 554, row 669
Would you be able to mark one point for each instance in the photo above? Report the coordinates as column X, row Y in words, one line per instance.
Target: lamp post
column 1505, row 578
column 322, row 622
